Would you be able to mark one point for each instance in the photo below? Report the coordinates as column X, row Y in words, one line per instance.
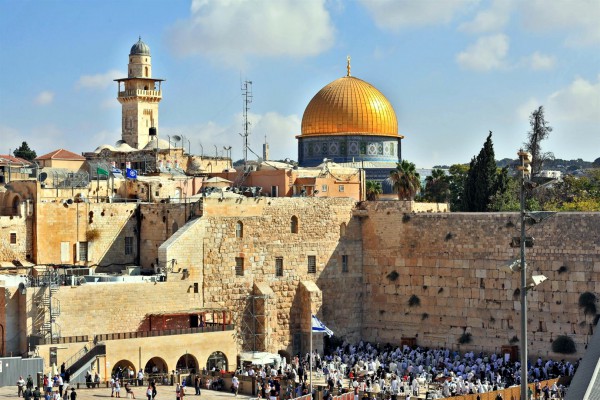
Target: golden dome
column 349, row 106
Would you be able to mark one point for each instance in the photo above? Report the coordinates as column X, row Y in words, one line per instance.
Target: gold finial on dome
column 348, row 66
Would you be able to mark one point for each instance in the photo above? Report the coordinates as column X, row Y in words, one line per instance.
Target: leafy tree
column 25, row 152
column 406, row 180
column 456, row 180
column 373, row 190
column 540, row 130
column 575, row 193
column 481, row 183
column 437, row 186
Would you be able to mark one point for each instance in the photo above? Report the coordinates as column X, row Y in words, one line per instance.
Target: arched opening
column 216, row 362
column 239, row 229
column 187, row 363
column 146, row 73
column 145, row 87
column 174, row 227
column 16, row 202
column 285, row 355
column 177, row 194
column 343, row 229
column 122, row 369
column 294, row 224
column 156, row 365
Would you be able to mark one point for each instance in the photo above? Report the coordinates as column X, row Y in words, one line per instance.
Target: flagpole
column 311, row 357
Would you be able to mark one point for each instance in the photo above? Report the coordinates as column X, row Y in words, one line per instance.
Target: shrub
column 405, row 218
column 392, row 276
column 424, row 316
column 563, row 345
column 414, row 301
column 465, row 338
column 563, row 269
column 587, row 301
column 514, row 340
column 92, row 235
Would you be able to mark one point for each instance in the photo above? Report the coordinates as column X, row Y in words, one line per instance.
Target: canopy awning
column 260, row 357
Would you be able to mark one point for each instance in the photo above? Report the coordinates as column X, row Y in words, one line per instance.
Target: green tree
column 457, row 178
column 437, row 186
column 373, row 190
column 406, row 180
column 575, row 193
column 481, row 183
column 540, row 130
column 25, row 152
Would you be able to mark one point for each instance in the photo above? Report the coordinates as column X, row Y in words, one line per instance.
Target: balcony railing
column 138, row 92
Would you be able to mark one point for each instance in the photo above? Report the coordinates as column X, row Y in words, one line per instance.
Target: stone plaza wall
column 452, row 263
column 20, row 227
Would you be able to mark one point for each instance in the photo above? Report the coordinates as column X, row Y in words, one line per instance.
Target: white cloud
column 229, row 30
column 110, row 103
column 99, row 81
column 44, row 98
column 398, row 14
column 579, row 19
column 281, row 131
column 493, row 19
column 580, row 101
column 486, row 54
column 538, row 61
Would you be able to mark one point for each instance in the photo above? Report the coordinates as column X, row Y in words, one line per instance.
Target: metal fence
column 11, row 368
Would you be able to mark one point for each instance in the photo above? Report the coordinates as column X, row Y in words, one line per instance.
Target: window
column 239, row 229
column 294, row 224
column 345, row 263
column 342, row 229
column 312, row 264
column 341, row 188
column 278, row 266
column 274, row 191
column 323, row 188
column 83, row 251
column 239, row 266
column 13, row 238
column 128, row 245
column 65, row 252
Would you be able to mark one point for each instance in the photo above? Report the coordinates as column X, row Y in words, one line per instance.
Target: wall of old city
column 452, row 263
column 15, row 238
column 103, row 225
column 326, row 230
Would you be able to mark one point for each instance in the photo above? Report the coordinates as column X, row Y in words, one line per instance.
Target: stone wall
column 452, row 263
column 22, row 249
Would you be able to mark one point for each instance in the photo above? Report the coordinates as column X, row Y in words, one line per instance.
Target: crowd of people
column 27, row 390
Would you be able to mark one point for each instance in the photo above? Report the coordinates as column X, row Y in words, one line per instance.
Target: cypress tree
column 481, row 183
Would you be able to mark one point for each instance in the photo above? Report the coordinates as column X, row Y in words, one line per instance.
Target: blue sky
column 452, row 69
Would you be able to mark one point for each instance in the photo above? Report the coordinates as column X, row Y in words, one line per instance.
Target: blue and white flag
column 318, row 326
column 131, row 173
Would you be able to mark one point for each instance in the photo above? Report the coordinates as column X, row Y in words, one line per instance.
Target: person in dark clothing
column 73, row 394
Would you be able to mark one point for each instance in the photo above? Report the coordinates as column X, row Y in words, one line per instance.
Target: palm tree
column 406, row 180
column 373, row 190
column 437, row 186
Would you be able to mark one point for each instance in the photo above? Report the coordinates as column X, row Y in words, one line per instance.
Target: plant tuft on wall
column 564, row 345
column 92, row 234
column 465, row 338
column 414, row 301
column 392, row 276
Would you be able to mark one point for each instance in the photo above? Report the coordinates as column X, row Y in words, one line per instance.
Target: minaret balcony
column 140, row 93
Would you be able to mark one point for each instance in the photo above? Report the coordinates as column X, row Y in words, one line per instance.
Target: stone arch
column 217, row 360
column 342, row 229
column 157, row 362
column 174, row 227
column 187, row 363
column 285, row 354
column 121, row 369
column 294, row 224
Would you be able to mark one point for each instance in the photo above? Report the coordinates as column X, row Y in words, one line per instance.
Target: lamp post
column 525, row 169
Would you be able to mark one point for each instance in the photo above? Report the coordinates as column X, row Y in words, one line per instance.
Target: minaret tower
column 139, row 95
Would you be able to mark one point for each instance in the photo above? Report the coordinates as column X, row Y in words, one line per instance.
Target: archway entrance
column 122, row 369
column 187, row 364
column 218, row 361
column 156, row 365
column 285, row 355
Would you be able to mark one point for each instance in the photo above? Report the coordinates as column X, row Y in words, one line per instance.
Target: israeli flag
column 131, row 173
column 318, row 326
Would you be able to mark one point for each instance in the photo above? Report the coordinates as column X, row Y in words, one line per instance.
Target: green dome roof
column 140, row 48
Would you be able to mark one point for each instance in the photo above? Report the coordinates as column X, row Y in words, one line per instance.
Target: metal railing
column 211, row 327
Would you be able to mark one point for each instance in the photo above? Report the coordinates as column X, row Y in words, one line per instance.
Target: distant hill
column 557, row 164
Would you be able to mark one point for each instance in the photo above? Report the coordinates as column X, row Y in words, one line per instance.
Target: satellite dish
column 176, row 138
column 119, row 142
column 43, row 176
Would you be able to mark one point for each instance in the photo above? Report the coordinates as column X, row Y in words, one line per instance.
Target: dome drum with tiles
column 349, row 120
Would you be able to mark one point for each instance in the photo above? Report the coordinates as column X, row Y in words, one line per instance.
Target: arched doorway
column 285, row 355
column 122, row 369
column 218, row 361
column 187, row 363
column 156, row 365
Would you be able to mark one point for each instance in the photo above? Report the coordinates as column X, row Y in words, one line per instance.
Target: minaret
column 139, row 95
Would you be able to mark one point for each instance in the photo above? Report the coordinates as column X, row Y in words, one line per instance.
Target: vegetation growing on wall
column 564, row 345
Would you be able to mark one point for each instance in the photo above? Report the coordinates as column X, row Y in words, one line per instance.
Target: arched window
column 343, row 229
column 239, row 229
column 218, row 361
column 294, row 224
column 174, row 227
column 146, row 72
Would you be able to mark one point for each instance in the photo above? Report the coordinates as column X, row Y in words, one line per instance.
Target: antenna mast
column 247, row 95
